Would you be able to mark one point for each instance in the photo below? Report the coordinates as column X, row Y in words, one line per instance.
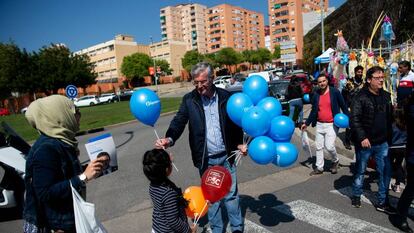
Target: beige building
column 286, row 24
column 235, row 27
column 184, row 22
column 171, row 51
column 107, row 58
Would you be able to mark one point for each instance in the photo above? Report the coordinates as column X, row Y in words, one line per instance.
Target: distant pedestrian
column 294, row 95
column 371, row 119
column 397, row 148
column 168, row 201
column 406, row 82
column 326, row 103
column 234, row 82
column 353, row 85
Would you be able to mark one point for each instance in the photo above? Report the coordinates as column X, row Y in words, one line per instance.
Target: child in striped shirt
column 169, row 204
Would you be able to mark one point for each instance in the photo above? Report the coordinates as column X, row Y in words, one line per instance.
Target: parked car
column 13, row 152
column 239, row 77
column 222, row 83
column 277, row 89
column 87, row 100
column 4, row 112
column 304, row 81
column 265, row 74
column 126, row 95
column 108, row 98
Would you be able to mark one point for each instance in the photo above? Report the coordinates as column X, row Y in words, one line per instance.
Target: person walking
column 326, row 103
column 371, row 119
column 294, row 96
column 212, row 136
column 353, row 85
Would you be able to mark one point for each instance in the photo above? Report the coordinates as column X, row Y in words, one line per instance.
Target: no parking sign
column 71, row 91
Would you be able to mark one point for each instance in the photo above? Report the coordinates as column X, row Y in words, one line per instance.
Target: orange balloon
column 197, row 205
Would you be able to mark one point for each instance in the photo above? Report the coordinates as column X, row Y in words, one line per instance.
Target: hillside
column 356, row 18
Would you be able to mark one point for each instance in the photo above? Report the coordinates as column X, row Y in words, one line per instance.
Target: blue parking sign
column 71, row 91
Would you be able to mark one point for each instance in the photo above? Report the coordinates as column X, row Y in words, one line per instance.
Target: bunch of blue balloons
column 260, row 116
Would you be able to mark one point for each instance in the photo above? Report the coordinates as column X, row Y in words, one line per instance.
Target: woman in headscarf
column 52, row 164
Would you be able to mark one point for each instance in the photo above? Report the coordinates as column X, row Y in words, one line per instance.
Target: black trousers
column 397, row 156
column 408, row 194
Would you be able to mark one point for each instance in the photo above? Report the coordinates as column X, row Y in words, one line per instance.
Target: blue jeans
column 231, row 201
column 380, row 152
column 296, row 103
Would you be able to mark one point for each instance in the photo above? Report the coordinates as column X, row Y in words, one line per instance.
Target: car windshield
column 278, row 88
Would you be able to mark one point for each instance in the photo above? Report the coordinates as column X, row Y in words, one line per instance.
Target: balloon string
column 199, row 216
column 158, row 137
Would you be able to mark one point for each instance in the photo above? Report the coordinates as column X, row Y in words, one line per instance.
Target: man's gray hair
column 200, row 68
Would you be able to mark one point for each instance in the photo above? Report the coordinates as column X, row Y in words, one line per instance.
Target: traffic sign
column 71, row 91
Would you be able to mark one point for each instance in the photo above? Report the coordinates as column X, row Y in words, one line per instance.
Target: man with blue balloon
column 371, row 119
column 213, row 136
column 326, row 103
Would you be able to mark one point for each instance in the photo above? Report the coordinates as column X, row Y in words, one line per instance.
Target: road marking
column 249, row 227
column 369, row 197
column 328, row 219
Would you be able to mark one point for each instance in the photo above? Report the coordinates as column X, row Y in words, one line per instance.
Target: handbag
column 85, row 219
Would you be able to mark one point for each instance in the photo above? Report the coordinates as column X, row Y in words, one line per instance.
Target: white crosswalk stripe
column 328, row 219
column 249, row 227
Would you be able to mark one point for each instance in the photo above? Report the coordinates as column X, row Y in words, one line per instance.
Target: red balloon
column 215, row 183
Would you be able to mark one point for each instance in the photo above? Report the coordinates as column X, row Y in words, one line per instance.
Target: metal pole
column 322, row 29
column 155, row 71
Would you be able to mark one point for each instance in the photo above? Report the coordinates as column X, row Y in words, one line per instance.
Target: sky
column 32, row 24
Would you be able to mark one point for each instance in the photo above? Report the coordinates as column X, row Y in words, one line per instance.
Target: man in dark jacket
column 212, row 137
column 371, row 119
column 326, row 103
column 353, row 85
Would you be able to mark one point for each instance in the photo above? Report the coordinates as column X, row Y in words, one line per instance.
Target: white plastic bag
column 85, row 219
column 305, row 143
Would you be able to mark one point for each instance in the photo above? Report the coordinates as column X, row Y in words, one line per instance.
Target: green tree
column 276, row 52
column 191, row 58
column 58, row 67
column 9, row 60
column 136, row 65
column 228, row 56
column 164, row 66
column 211, row 59
column 260, row 56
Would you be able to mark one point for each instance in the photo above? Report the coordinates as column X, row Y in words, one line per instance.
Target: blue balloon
column 306, row 98
column 281, row 128
column 262, row 150
column 237, row 105
column 256, row 122
column 341, row 120
column 286, row 154
column 271, row 105
column 256, row 88
column 145, row 106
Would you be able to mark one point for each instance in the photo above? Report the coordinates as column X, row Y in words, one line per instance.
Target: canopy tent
column 324, row 57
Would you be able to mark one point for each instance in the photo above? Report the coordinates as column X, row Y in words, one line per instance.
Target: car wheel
column 109, row 101
column 92, row 103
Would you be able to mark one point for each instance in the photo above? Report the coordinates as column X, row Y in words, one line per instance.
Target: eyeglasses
column 379, row 78
column 202, row 82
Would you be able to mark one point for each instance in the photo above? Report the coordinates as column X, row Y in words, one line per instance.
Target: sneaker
column 386, row 208
column 316, row 172
column 334, row 168
column 348, row 146
column 356, row 202
column 400, row 222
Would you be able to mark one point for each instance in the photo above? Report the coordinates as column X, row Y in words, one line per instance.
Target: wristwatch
column 83, row 178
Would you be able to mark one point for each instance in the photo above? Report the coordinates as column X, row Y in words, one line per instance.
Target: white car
column 87, row 100
column 222, row 83
column 108, row 98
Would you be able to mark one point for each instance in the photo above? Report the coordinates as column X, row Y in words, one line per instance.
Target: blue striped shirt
column 168, row 215
column 215, row 143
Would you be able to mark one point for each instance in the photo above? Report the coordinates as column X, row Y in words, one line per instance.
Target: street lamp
column 155, row 71
column 322, row 29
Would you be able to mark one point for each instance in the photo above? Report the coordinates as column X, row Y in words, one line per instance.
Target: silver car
column 87, row 100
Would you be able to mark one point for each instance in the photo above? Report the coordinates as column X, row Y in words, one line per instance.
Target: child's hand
column 193, row 228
